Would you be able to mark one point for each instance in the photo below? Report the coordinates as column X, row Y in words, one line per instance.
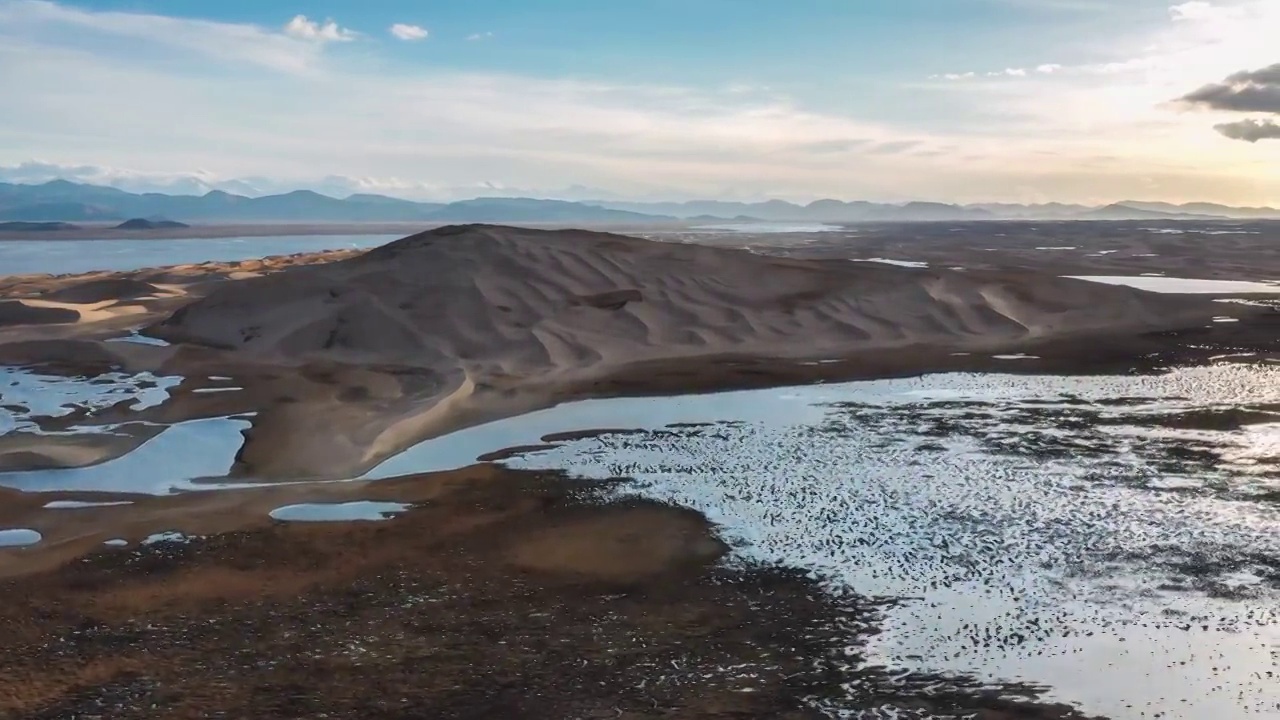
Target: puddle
column 25, row 394
column 116, row 542
column 899, row 263
column 1184, row 285
column 363, row 510
column 20, row 537
column 137, row 339
column 78, row 504
column 166, row 463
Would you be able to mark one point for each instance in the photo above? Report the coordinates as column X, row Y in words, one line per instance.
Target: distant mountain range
column 64, row 201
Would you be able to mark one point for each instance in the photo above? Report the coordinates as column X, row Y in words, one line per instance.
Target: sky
column 1089, row 101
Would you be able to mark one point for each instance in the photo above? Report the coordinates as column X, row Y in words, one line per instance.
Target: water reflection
column 1110, row 538
column 364, row 510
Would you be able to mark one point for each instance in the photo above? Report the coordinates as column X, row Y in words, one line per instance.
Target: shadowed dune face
column 106, row 289
column 477, row 322
column 15, row 312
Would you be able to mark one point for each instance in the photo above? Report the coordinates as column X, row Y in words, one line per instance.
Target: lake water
column 1110, row 539
column 21, row 257
column 766, row 228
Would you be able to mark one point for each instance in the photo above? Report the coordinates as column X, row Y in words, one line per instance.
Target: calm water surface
column 21, row 257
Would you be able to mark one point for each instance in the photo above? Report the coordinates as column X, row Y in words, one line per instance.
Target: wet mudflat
column 509, row 595
column 1111, row 540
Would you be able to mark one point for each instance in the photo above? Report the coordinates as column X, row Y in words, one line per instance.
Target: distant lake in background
column 22, row 257
column 767, row 227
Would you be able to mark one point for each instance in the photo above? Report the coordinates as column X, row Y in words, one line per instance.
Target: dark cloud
column 1245, row 91
column 1250, row 130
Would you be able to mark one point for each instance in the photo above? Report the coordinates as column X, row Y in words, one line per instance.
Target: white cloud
column 165, row 39
column 1198, row 10
column 480, row 36
column 401, row 31
column 1048, row 68
column 1070, row 134
column 303, row 29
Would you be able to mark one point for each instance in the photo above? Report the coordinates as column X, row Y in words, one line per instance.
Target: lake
column 21, row 257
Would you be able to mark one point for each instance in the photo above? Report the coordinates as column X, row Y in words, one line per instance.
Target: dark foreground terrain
column 503, row 595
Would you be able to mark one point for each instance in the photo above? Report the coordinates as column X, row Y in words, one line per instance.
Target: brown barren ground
column 503, row 595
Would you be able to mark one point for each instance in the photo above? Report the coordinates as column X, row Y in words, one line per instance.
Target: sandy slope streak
column 484, row 307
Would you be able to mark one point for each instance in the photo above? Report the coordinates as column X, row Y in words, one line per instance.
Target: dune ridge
column 466, row 324
column 495, row 301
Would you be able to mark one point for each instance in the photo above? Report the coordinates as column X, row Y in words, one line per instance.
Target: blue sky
column 962, row 100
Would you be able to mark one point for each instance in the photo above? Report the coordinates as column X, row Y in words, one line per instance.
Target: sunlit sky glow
column 960, row 101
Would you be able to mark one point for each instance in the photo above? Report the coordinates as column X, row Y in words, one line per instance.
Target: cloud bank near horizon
column 318, row 99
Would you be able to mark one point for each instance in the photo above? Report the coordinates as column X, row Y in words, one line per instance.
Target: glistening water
column 22, row 257
column 1110, row 540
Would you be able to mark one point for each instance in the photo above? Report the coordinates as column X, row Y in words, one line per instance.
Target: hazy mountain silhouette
column 63, row 201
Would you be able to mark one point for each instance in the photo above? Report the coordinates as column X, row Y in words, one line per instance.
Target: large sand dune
column 496, row 300
column 469, row 323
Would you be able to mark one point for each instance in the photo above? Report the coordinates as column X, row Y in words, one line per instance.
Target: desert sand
column 350, row 358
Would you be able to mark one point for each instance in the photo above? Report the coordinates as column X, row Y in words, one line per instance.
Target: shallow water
column 20, row 537
column 55, row 395
column 363, row 510
column 1112, row 539
column 766, row 228
column 21, row 257
column 1184, row 285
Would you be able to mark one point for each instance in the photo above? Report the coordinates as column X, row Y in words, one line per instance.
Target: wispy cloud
column 302, row 28
column 402, row 31
column 1040, row 134
column 50, row 25
column 1015, row 72
column 480, row 36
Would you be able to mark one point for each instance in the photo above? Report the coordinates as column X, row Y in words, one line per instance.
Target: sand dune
column 477, row 322
column 496, row 301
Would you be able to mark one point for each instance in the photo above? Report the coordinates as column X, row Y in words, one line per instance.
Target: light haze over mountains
column 64, row 201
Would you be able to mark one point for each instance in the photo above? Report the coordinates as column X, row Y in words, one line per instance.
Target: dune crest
column 477, row 322
column 492, row 299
